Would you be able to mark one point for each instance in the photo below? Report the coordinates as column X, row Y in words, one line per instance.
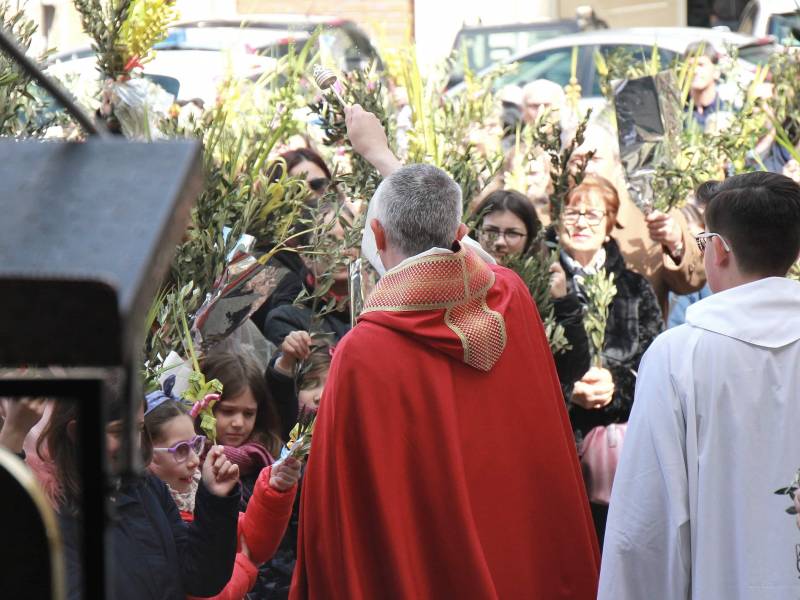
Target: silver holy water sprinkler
column 325, row 79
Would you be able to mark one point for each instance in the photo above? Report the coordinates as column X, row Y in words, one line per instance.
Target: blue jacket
column 154, row 553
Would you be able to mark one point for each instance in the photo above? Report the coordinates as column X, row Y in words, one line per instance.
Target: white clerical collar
column 467, row 241
column 764, row 313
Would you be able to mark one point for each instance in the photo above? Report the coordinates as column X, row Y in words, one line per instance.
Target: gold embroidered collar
column 458, row 283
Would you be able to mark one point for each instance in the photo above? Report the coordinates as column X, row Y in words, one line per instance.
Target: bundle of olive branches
column 242, row 192
column 24, row 111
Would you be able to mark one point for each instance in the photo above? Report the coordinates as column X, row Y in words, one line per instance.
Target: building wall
column 67, row 33
column 632, row 13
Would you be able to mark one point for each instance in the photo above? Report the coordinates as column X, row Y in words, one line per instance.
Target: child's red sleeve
column 266, row 518
column 241, row 582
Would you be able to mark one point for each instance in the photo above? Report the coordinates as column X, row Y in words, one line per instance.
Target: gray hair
column 420, row 208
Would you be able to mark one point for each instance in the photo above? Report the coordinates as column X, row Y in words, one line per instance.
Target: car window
column 748, row 21
column 363, row 50
column 224, row 38
column 485, row 48
column 635, row 52
column 337, row 47
column 757, row 54
column 780, row 26
column 554, row 65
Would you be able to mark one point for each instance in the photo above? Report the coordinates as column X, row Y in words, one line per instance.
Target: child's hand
column 295, row 347
column 20, row 417
column 219, row 474
column 285, row 474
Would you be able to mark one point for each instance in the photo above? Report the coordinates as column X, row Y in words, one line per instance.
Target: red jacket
column 263, row 525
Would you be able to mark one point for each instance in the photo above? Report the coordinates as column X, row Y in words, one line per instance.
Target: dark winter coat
column 572, row 364
column 288, row 288
column 634, row 321
column 283, row 389
column 155, row 554
column 283, row 320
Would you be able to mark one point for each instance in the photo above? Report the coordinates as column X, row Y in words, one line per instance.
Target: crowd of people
column 454, row 454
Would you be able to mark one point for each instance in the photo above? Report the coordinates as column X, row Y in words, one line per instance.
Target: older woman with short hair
column 604, row 395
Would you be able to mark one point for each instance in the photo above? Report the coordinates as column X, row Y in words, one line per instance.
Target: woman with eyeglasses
column 604, row 395
column 508, row 226
column 307, row 164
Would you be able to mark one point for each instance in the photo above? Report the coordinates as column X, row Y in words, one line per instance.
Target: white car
column 186, row 74
column 552, row 59
column 773, row 18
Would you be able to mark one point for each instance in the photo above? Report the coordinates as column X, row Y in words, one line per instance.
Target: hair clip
column 158, row 397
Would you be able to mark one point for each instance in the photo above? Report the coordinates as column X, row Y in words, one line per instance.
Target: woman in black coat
column 307, row 315
column 604, row 395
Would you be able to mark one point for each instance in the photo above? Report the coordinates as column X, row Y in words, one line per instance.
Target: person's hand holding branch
column 558, row 281
column 285, row 474
column 595, row 390
column 666, row 231
column 219, row 474
column 296, row 347
column 368, row 139
column 20, row 417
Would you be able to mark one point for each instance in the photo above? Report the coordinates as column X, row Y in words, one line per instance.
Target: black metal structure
column 87, row 232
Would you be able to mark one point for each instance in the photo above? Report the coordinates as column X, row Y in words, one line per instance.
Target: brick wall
column 389, row 23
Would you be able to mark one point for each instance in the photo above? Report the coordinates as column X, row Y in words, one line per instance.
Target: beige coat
column 646, row 257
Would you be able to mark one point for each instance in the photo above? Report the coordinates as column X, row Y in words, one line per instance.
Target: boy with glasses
column 712, row 434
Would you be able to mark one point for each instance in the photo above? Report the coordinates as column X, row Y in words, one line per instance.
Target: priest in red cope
column 443, row 464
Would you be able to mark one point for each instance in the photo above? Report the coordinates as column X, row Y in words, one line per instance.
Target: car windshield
column 780, row 26
column 757, row 54
column 484, row 48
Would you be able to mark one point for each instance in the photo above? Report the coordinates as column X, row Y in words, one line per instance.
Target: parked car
column 197, row 55
column 487, row 45
column 774, row 18
column 552, row 59
column 347, row 46
column 186, row 74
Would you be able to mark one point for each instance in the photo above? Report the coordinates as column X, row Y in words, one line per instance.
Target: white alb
column 715, row 430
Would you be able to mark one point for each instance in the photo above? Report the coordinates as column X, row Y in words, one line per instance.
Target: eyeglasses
column 593, row 217
column 492, row 234
column 319, row 184
column 703, row 237
column 180, row 451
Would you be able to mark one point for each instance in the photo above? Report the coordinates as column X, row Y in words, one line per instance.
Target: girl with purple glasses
column 177, row 452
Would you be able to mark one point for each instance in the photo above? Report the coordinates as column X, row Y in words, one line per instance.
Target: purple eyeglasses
column 180, row 451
